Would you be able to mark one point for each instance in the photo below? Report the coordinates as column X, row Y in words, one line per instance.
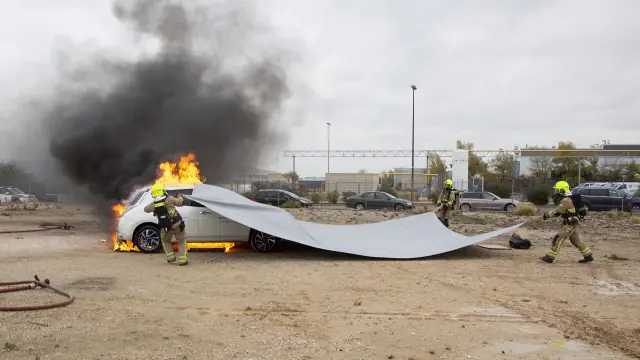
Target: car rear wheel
column 263, row 242
column 359, row 206
column 509, row 208
column 466, row 207
column 147, row 239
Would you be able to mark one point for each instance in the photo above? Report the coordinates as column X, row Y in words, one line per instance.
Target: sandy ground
column 303, row 303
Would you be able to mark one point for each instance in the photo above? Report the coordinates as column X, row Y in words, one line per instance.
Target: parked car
column 377, row 200
column 203, row 225
column 277, row 197
column 13, row 194
column 471, row 200
column 604, row 199
column 590, row 184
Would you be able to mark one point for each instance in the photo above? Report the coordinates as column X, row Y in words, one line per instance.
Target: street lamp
column 328, row 143
column 413, row 125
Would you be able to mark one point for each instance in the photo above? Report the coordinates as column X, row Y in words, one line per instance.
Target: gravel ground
column 303, row 303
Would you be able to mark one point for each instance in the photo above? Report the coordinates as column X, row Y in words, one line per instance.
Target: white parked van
column 630, row 188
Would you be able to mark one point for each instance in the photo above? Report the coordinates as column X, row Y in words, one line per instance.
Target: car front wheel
column 359, row 206
column 635, row 208
column 147, row 239
column 465, row 207
column 263, row 242
column 398, row 207
column 509, row 208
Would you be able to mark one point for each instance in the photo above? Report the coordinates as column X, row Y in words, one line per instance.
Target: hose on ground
column 33, row 284
column 43, row 227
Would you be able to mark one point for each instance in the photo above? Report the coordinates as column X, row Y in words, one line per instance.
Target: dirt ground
column 302, row 303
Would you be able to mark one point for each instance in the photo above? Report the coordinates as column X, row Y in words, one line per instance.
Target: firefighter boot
column 547, row 259
column 446, row 223
column 586, row 259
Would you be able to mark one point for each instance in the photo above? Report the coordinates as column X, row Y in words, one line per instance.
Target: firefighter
column 446, row 202
column 170, row 222
column 570, row 224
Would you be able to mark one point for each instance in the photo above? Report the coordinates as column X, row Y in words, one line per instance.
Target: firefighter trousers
column 181, row 239
column 444, row 215
column 568, row 232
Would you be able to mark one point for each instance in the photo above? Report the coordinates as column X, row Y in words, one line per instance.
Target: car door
column 615, row 199
column 208, row 224
column 369, row 200
column 489, row 201
column 381, row 200
column 473, row 199
column 599, row 198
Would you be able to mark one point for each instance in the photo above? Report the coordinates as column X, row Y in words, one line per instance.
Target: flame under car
column 203, row 226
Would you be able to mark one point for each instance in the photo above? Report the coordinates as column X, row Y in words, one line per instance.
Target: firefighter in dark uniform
column 170, row 222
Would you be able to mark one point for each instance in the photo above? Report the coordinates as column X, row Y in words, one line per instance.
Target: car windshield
column 135, row 197
column 290, row 194
column 14, row 191
column 389, row 195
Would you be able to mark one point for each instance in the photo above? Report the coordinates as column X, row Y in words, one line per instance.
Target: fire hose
column 34, row 284
column 43, row 227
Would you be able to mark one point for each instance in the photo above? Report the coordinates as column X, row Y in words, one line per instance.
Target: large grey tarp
column 405, row 238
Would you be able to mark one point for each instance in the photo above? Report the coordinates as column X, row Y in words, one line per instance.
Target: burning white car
column 203, row 226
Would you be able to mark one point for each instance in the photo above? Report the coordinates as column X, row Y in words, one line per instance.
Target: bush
column 315, row 198
column 635, row 220
column 333, row 197
column 433, row 196
column 539, row 194
column 526, row 210
column 613, row 214
column 248, row 194
column 502, row 190
column 291, row 205
column 389, row 190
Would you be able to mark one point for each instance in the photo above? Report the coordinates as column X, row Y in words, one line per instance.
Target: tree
column 565, row 166
column 292, row 177
column 476, row 164
column 541, row 167
column 437, row 166
column 387, row 180
column 12, row 174
column 502, row 165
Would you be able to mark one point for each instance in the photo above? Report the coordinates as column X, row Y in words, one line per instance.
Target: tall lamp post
column 413, row 125
column 328, row 144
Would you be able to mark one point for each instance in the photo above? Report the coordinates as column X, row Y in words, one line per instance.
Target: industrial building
column 352, row 182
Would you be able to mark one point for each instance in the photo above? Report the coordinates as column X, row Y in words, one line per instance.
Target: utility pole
column 413, row 125
column 328, row 145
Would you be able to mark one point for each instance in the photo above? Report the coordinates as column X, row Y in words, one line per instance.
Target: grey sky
column 497, row 73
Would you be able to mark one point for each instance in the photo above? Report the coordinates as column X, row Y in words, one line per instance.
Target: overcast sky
column 496, row 73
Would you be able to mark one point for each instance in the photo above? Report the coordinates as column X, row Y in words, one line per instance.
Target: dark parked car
column 604, row 199
column 377, row 200
column 277, row 197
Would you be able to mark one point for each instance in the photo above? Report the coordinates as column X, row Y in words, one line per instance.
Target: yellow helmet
column 448, row 183
column 561, row 187
column 157, row 190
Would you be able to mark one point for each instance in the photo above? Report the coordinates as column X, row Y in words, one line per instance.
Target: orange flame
column 184, row 173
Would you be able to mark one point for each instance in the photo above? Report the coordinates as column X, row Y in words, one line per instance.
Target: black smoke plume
column 213, row 88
